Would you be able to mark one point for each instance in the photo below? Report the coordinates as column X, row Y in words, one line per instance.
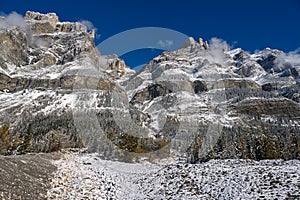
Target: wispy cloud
column 90, row 26
column 166, row 43
column 11, row 20
column 292, row 57
column 216, row 49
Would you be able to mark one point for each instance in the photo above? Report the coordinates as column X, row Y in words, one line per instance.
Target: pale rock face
column 51, row 17
column 70, row 27
column 203, row 43
column 13, row 45
column 190, row 41
column 41, row 23
column 116, row 63
column 49, row 23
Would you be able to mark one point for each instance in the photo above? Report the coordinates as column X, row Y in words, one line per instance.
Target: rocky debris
column 83, row 176
column 221, row 179
column 79, row 177
column 75, row 174
column 26, row 176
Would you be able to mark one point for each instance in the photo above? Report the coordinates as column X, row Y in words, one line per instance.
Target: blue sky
column 250, row 25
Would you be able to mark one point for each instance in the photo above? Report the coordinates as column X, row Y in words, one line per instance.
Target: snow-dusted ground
column 86, row 176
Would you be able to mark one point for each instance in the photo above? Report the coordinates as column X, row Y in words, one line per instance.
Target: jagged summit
column 49, row 23
column 191, row 42
column 46, row 43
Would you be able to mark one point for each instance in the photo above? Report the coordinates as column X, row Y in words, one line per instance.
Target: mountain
column 201, row 102
column 40, row 63
column 220, row 103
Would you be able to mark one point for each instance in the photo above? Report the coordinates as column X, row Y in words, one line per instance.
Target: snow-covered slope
column 83, row 176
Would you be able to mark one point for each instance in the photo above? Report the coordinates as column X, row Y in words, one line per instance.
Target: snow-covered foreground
column 86, row 176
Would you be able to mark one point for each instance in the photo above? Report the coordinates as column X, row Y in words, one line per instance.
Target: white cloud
column 286, row 59
column 166, row 43
column 294, row 56
column 216, row 49
column 90, row 26
column 11, row 20
column 218, row 44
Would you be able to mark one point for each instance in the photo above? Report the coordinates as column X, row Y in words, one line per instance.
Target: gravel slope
column 78, row 175
column 26, row 176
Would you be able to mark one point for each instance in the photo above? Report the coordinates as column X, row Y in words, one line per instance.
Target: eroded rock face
column 272, row 107
column 13, row 45
column 117, row 69
column 49, row 70
column 233, row 83
column 149, row 93
column 52, row 18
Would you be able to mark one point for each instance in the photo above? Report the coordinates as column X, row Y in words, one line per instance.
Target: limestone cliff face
column 43, row 67
column 200, row 102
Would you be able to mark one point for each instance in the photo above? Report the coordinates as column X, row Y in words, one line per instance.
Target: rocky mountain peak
column 41, row 23
column 191, row 42
column 36, row 17
column 203, row 43
column 43, row 43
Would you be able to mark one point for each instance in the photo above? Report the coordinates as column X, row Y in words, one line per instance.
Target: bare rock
column 203, row 43
column 42, row 23
column 189, row 42
column 70, row 27
column 13, row 45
